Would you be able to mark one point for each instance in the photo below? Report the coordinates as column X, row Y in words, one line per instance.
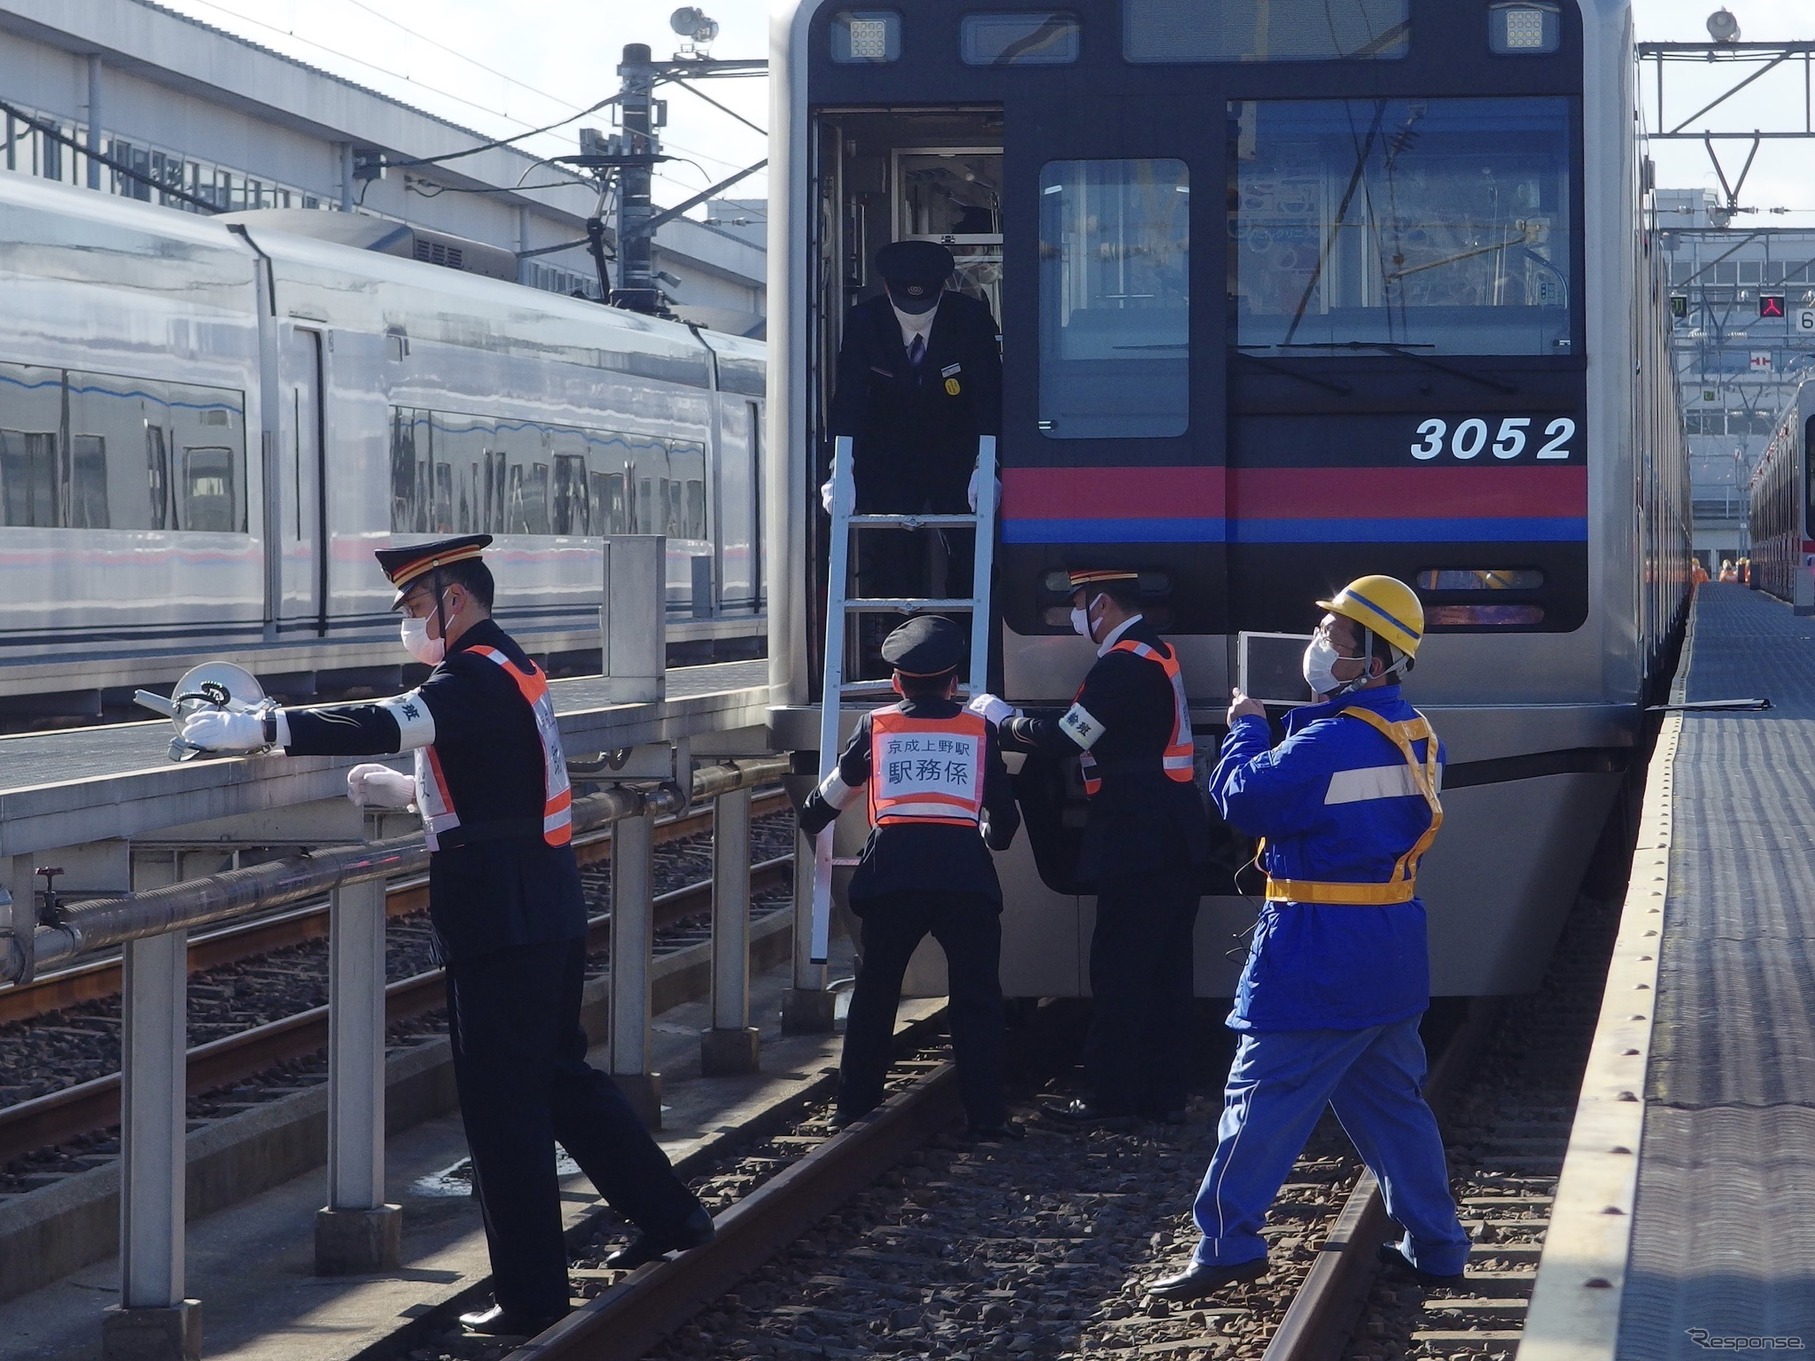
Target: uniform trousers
column 968, row 927
column 1137, row 1054
column 520, row 1068
column 1278, row 1086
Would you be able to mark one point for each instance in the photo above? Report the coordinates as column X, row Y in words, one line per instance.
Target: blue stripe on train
column 1523, row 530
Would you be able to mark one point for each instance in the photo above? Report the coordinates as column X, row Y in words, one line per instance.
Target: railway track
column 99, row 979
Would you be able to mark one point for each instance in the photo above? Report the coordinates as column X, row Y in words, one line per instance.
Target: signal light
column 1771, row 305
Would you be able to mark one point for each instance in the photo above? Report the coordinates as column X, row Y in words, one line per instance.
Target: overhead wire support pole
column 636, row 290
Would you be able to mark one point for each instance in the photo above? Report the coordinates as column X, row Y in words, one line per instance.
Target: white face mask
column 418, row 644
column 1080, row 622
column 1320, row 666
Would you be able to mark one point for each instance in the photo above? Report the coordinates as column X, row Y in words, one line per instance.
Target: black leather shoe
column 1080, row 1114
column 501, row 1322
column 1389, row 1255
column 995, row 1134
column 696, row 1231
column 1201, row 1279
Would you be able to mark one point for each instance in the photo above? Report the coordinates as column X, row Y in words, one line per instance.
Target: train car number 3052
column 1515, row 439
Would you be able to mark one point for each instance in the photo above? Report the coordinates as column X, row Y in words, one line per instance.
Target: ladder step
column 904, row 605
column 912, row 521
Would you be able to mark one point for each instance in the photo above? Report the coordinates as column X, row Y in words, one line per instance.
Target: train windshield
column 1440, row 224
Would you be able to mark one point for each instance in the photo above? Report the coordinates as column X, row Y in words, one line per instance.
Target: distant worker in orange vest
column 939, row 802
column 1697, row 573
column 1728, row 573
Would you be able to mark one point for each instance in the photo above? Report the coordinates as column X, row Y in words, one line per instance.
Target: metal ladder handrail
column 839, row 606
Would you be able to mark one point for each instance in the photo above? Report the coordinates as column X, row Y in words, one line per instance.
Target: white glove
column 224, row 730
column 990, row 709
column 970, row 491
column 371, row 785
column 825, row 495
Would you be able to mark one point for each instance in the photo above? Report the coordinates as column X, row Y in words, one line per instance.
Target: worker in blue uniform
column 1338, row 973
column 1144, row 848
column 509, row 921
column 939, row 801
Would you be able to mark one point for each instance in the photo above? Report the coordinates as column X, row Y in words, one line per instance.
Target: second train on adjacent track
column 1291, row 291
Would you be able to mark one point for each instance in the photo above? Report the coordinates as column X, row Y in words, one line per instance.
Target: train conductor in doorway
column 1338, row 972
column 509, row 920
column 1145, row 845
column 919, row 380
column 939, row 801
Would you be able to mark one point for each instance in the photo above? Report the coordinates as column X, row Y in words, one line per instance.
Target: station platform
column 1685, row 1217
column 252, row 1266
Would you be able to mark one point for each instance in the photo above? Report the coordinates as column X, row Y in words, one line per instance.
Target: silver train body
column 207, row 427
column 1540, row 721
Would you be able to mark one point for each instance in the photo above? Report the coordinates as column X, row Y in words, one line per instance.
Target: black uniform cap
column 916, row 269
column 404, row 566
column 930, row 645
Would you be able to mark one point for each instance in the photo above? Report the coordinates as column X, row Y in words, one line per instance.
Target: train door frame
column 299, row 483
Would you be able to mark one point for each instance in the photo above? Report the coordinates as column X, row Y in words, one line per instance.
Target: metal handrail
column 98, row 923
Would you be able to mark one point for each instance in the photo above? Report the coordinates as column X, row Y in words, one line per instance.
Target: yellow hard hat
column 1384, row 605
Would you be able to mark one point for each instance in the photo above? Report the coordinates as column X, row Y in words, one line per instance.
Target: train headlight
column 1524, row 29
column 862, row 36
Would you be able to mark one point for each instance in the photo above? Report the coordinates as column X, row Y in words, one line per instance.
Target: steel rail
column 1324, row 1311
column 89, row 1107
column 93, row 981
column 629, row 1319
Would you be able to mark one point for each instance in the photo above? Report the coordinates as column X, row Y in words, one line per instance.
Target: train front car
column 1290, row 293
column 1780, row 527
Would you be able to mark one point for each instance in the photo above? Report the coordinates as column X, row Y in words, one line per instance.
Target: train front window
column 1115, row 251
column 1264, row 30
column 1442, row 225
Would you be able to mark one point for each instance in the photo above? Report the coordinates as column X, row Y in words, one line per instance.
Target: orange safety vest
column 926, row 769
column 1177, row 761
column 437, row 802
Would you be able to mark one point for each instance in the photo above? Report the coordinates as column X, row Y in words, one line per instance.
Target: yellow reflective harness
column 1402, row 886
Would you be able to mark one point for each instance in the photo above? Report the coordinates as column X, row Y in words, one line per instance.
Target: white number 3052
column 1470, row 438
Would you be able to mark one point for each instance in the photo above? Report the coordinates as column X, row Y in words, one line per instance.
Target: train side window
column 1048, row 38
column 410, row 444
column 1265, row 30
column 28, row 476
column 648, row 472
column 459, row 444
column 442, row 521
column 573, row 512
column 209, row 493
column 687, row 461
column 1808, row 443
column 88, row 482
column 608, row 457
column 157, row 476
column 1114, row 299
column 535, row 500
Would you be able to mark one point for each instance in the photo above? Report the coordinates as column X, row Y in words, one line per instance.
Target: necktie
column 917, row 350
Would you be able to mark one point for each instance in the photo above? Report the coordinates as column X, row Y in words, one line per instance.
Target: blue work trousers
column 1277, row 1088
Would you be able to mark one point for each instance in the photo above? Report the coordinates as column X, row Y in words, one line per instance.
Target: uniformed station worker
column 509, row 920
column 919, row 379
column 939, row 801
column 1338, row 973
column 1144, row 847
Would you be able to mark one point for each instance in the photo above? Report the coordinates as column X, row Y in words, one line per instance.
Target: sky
column 504, row 66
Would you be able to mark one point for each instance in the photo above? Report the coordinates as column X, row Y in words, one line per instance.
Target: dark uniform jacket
column 1141, row 821
column 494, row 883
column 914, row 438
column 926, row 857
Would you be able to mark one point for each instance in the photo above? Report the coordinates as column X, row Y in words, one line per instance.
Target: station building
column 127, row 97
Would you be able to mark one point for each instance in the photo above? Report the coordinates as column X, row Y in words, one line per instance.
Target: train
column 1291, row 292
column 207, row 425
column 1780, row 510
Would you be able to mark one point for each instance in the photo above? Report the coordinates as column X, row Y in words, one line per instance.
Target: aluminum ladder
column 840, row 607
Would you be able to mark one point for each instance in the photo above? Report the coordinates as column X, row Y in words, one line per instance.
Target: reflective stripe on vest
column 1178, row 758
column 433, row 797
column 1402, row 886
column 926, row 769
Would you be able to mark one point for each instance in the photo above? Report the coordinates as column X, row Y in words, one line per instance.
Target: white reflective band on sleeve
column 1081, row 726
column 283, row 728
column 1374, row 782
column 837, row 793
column 415, row 724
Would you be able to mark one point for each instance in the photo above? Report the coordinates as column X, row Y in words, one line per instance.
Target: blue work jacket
column 1333, row 807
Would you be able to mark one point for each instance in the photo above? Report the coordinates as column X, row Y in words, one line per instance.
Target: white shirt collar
column 916, row 323
column 1115, row 634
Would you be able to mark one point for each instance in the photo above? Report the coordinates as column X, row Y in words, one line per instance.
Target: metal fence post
column 732, row 1045
column 356, row 1231
column 807, row 1008
column 632, row 943
column 153, row 1321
